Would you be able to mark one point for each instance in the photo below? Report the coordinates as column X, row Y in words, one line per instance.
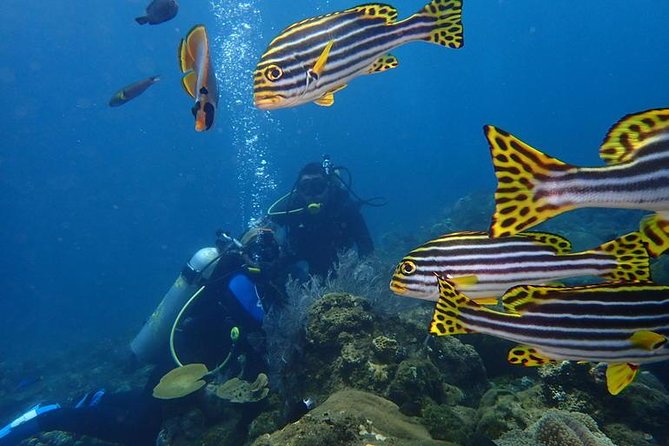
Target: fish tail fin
column 143, row 20
column 632, row 262
column 446, row 17
column 446, row 320
column 519, row 168
column 655, row 230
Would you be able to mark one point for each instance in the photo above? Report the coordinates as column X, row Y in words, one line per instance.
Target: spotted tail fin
column 446, row 19
column 631, row 257
column 655, row 230
column 519, row 169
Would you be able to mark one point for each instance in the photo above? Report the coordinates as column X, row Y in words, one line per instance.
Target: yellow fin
column 648, row 340
column 447, row 29
column 322, row 59
column 445, row 320
column 196, row 39
column 517, row 298
column 655, row 232
column 189, row 82
column 328, row 98
column 631, row 257
column 559, row 244
column 383, row 63
column 185, row 60
column 528, row 356
column 632, row 133
column 486, row 300
column 618, row 376
column 462, row 282
column 517, row 167
column 375, row 12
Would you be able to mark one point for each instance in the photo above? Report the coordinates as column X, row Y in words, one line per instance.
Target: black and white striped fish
column 485, row 267
column 620, row 324
column 533, row 187
column 312, row 59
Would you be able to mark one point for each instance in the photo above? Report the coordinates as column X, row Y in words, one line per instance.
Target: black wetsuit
column 135, row 417
column 317, row 238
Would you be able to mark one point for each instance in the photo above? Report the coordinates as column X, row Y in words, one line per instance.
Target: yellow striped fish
column 314, row 58
column 533, row 187
column 485, row 267
column 199, row 79
column 620, row 324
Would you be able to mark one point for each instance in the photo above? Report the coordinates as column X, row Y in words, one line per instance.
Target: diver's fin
column 618, row 376
column 528, row 356
column 319, row 66
column 519, row 168
column 445, row 320
column 655, row 231
column 557, row 243
column 648, row 340
column 446, row 17
column 189, row 82
column 374, row 12
column 383, row 63
column 632, row 262
column 632, row 133
column 142, row 20
column 328, row 98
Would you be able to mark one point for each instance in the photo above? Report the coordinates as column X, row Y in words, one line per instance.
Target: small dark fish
column 159, row 11
column 27, row 382
column 132, row 91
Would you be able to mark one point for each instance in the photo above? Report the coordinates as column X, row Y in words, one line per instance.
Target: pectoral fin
column 319, row 66
column 618, row 376
column 462, row 282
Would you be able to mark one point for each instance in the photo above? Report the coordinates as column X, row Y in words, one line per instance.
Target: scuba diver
column 319, row 218
column 213, row 311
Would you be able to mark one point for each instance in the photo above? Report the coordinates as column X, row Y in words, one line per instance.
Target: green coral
column 335, row 314
column 385, row 349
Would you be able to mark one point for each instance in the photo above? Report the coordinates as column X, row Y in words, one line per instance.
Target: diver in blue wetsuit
column 221, row 290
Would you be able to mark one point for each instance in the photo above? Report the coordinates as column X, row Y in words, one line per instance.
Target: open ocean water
column 101, row 206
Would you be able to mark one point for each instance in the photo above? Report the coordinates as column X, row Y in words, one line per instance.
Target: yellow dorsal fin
column 189, row 82
column 518, row 298
column 632, row 262
column 655, row 232
column 383, row 63
column 528, row 356
column 375, row 12
column 557, row 243
column 632, row 133
column 445, row 320
column 328, row 98
column 196, row 39
column 319, row 66
column 648, row 340
column 185, row 59
column 519, row 169
column 618, row 376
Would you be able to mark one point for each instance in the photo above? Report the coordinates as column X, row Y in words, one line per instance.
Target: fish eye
column 273, row 73
column 408, row 267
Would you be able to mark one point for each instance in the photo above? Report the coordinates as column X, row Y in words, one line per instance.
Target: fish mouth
column 397, row 288
column 269, row 102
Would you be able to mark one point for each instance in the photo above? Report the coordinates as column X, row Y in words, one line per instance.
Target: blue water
column 100, row 207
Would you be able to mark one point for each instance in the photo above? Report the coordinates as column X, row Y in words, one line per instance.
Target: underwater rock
column 334, row 314
column 385, row 349
column 643, row 408
column 352, row 418
column 558, row 428
column 505, row 409
column 415, row 380
column 622, row 435
column 456, row 424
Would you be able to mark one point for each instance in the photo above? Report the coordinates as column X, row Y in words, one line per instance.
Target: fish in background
column 312, row 59
column 131, row 91
column 484, row 267
column 199, row 79
column 620, row 324
column 159, row 11
column 533, row 187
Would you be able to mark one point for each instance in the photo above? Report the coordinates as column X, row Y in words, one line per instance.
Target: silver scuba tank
column 152, row 342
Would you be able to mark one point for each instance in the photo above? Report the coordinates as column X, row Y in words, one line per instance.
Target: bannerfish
column 620, row 324
column 316, row 57
column 199, row 79
column 484, row 268
column 533, row 187
column 131, row 91
column 159, row 11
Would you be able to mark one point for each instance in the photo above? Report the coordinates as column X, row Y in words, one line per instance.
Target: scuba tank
column 152, row 342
